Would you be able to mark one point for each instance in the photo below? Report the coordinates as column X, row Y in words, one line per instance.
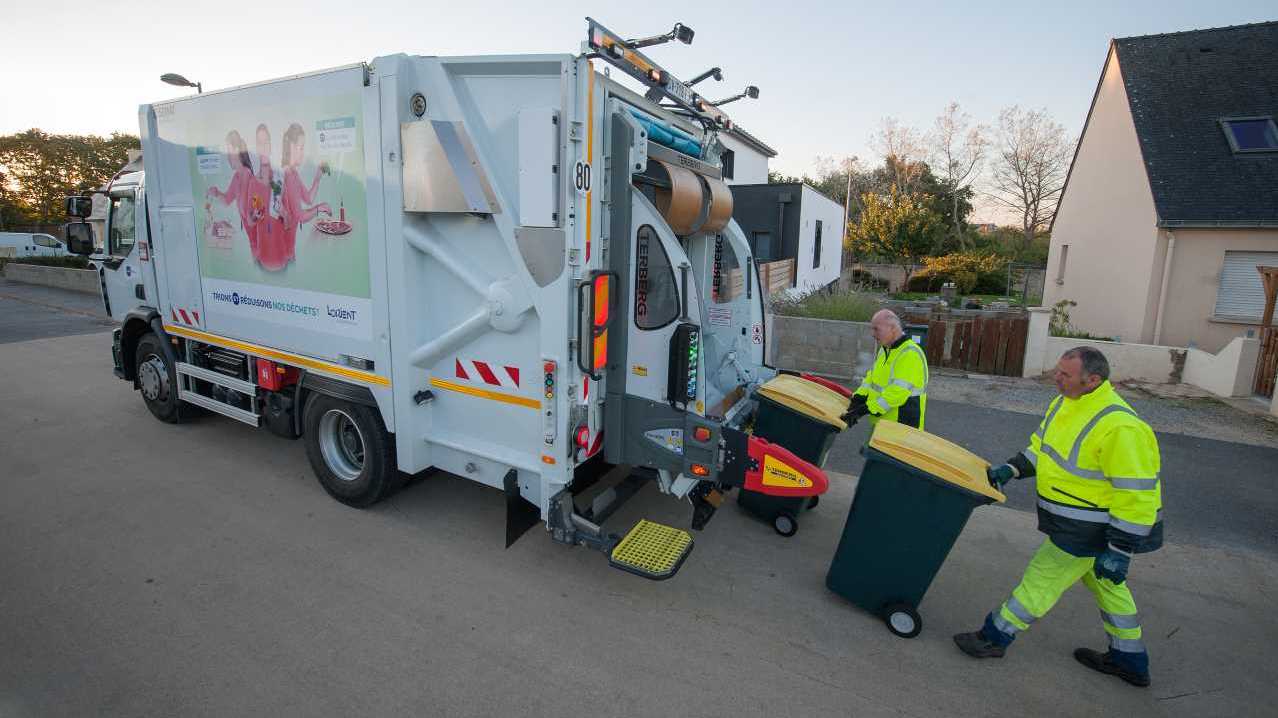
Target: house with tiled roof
column 1171, row 202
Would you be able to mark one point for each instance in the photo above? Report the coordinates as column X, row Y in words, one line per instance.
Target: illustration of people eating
column 272, row 207
column 238, row 191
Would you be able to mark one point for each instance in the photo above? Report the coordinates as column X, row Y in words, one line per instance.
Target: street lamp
column 172, row 78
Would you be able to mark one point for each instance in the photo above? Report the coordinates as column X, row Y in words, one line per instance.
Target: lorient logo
column 341, row 313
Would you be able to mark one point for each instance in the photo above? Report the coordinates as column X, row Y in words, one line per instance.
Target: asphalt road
column 32, row 312
column 1215, row 493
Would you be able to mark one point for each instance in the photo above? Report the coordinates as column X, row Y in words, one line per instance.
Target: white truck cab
column 508, row 267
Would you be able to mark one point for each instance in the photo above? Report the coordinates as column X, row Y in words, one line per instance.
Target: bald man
column 895, row 389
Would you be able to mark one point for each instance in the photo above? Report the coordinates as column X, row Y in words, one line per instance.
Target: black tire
column 902, row 620
column 157, row 380
column 814, row 502
column 785, row 524
column 350, row 451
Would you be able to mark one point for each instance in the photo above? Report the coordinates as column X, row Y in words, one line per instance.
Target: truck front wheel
column 351, row 452
column 157, row 380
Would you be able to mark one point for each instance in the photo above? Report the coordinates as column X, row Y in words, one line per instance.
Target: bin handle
column 834, row 386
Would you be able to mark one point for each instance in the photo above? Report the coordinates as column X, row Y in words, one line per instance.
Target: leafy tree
column 778, row 178
column 11, row 212
column 900, row 227
column 42, row 168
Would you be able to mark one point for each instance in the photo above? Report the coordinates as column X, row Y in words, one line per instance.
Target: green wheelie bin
column 802, row 416
column 914, row 496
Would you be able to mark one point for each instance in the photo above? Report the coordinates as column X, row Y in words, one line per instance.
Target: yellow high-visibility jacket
column 1097, row 465
column 896, row 387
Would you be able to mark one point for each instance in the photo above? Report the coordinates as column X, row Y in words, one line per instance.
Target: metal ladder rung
column 216, row 406
column 212, row 377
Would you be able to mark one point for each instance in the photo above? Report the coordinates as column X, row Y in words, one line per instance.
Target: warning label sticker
column 778, row 473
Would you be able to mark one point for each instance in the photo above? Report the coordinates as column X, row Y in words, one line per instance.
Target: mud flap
column 521, row 515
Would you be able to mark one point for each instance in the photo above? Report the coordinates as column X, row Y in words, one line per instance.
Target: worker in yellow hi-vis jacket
column 895, row 389
column 1099, row 502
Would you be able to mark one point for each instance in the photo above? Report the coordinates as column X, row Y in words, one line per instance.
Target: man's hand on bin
column 1001, row 474
column 1112, row 564
column 856, row 409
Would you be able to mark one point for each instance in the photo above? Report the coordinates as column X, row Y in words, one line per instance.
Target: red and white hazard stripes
column 491, row 374
column 190, row 317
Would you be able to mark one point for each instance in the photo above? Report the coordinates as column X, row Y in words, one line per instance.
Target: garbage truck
column 512, row 268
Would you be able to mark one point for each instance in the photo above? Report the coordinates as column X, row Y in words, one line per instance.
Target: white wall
column 1228, row 372
column 814, row 206
column 1114, row 265
column 749, row 165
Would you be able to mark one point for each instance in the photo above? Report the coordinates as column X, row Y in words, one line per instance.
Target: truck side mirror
column 79, row 206
column 79, row 237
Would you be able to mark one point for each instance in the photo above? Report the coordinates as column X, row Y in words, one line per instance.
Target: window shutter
column 1241, row 293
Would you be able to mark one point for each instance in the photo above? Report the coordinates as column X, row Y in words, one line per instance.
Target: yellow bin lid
column 807, row 398
column 936, row 456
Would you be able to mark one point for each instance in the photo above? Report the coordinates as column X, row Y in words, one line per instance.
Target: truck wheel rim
column 153, row 379
column 342, row 444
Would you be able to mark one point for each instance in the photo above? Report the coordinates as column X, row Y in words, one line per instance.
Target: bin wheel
column 813, row 503
column 785, row 524
column 902, row 620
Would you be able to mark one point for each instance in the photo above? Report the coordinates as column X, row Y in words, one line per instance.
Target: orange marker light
column 602, row 285
column 601, row 350
column 699, row 470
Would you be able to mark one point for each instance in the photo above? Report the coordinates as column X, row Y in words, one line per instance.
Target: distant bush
column 867, row 281
column 72, row 262
column 841, row 306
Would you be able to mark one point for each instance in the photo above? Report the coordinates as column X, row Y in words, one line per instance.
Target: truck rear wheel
column 157, row 380
column 351, row 452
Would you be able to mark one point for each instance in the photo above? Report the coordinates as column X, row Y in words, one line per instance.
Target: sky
column 828, row 72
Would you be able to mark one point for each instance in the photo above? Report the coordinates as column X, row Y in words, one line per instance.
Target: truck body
column 511, row 268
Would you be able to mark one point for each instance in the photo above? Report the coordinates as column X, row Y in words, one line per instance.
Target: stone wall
column 76, row 280
column 842, row 350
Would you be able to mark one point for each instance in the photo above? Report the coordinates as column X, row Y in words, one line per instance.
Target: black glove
column 1001, row 474
column 856, row 409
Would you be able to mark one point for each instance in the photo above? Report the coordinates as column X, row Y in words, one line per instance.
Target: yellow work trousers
column 1049, row 574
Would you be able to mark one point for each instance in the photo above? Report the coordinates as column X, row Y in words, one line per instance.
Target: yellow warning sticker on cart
column 778, row 473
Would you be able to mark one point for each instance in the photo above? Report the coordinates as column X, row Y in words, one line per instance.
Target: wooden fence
column 1267, row 363
column 983, row 345
column 773, row 277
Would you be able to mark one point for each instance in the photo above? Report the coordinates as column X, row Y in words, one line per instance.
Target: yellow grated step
column 652, row 550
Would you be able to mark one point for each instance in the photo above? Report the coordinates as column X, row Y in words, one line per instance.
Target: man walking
column 1099, row 502
column 895, row 389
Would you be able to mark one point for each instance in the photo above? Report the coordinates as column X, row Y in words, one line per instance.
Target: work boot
column 975, row 645
column 1105, row 663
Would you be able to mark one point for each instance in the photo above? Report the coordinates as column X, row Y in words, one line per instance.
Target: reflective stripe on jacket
column 896, row 387
column 1097, row 468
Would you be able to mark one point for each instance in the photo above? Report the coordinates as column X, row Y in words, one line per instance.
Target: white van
column 27, row 244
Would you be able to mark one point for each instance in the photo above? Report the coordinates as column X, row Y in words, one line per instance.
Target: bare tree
column 1030, row 165
column 956, row 150
column 904, row 146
